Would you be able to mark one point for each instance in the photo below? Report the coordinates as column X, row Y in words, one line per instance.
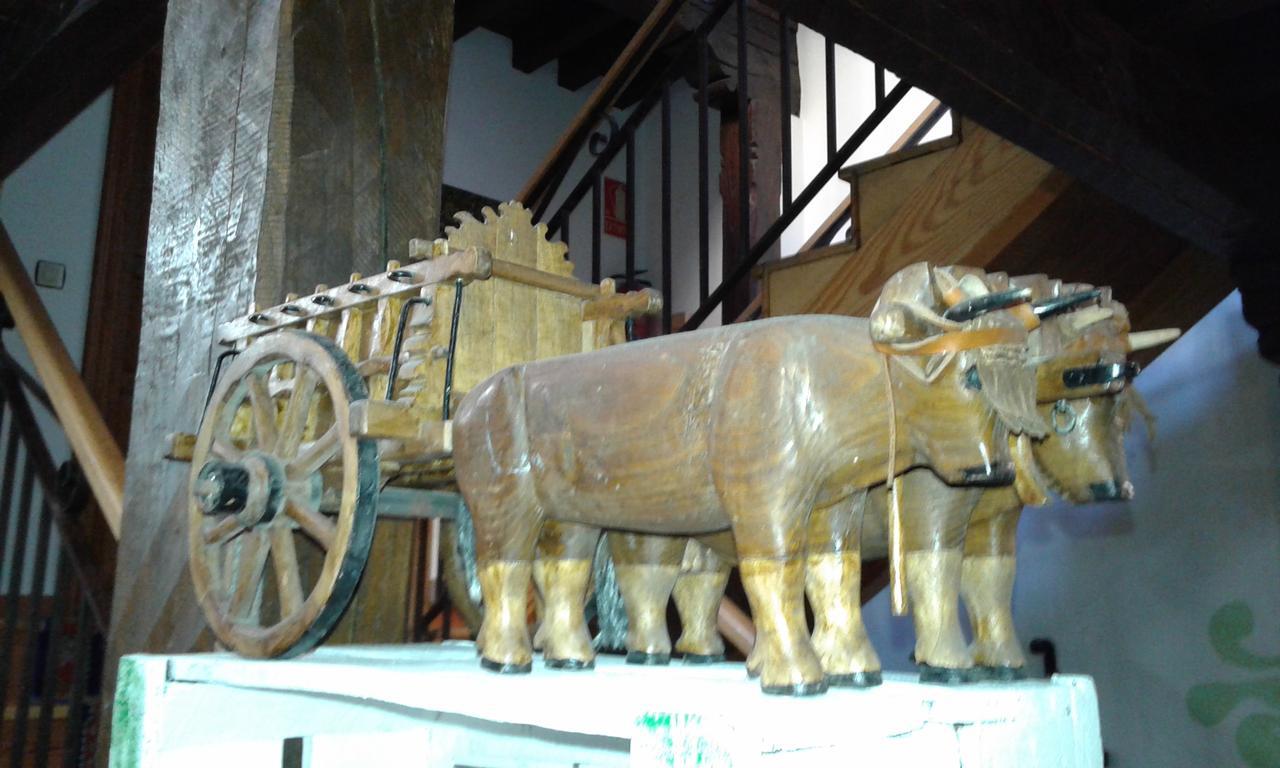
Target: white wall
column 49, row 206
column 855, row 100
column 1127, row 591
column 501, row 124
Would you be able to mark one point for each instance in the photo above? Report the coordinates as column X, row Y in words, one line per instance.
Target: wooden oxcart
column 332, row 410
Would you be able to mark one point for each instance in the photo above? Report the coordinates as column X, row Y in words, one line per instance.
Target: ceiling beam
column 80, row 62
column 540, row 45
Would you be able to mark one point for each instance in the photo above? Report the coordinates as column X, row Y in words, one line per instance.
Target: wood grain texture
column 211, row 148
column 221, row 236
column 357, row 130
column 976, row 200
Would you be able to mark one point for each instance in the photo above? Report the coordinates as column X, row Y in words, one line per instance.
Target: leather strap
column 954, row 341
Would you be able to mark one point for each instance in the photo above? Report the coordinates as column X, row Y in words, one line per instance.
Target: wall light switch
column 51, row 274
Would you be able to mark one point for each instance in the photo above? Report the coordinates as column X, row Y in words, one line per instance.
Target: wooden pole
column 99, row 456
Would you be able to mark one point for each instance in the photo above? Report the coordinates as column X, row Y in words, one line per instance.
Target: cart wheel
column 275, row 472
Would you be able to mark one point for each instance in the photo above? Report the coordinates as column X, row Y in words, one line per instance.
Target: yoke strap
column 953, row 341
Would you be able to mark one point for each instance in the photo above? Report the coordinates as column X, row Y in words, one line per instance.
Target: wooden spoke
column 296, row 413
column 224, row 450
column 315, row 524
column 222, row 530
column 315, row 455
column 284, row 561
column 264, row 411
column 247, row 574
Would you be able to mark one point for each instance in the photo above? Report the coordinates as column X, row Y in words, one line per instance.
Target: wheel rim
column 281, row 500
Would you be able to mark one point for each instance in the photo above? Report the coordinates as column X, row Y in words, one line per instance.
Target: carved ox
column 1082, row 370
column 747, row 428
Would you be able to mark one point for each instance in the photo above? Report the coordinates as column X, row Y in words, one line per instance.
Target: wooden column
column 761, row 130
column 295, row 145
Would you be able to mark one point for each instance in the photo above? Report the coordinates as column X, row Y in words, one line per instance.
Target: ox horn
column 980, row 305
column 1088, row 316
column 1059, row 304
column 1149, row 339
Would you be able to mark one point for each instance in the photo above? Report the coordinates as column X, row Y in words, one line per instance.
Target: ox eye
column 971, row 379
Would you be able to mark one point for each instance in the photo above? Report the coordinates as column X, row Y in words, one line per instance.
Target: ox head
column 1081, row 350
column 957, row 355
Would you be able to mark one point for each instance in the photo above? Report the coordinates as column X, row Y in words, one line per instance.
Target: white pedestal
column 432, row 705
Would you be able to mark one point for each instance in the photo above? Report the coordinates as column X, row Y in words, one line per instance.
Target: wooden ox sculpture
column 749, row 429
column 957, row 539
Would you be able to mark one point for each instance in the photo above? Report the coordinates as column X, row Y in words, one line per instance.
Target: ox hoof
column 649, row 659
column 996, row 474
column 506, row 668
column 856, row 679
column 704, row 658
column 945, row 675
column 569, row 663
column 796, row 689
column 1000, row 674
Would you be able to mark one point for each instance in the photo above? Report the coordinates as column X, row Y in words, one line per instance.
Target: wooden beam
column 91, row 442
column 543, row 43
column 285, row 157
column 72, row 70
column 1123, row 133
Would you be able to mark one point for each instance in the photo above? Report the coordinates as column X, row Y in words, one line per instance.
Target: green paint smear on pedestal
column 127, row 714
column 685, row 740
column 1258, row 735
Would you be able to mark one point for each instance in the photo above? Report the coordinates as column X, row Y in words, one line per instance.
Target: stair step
column 878, row 187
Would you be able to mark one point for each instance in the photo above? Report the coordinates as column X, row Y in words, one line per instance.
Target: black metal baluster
column 31, row 671
column 879, row 85
column 831, row 98
column 631, row 209
column 771, row 235
column 16, row 566
column 784, row 58
column 744, row 142
column 53, row 651
column 666, row 210
column 704, row 176
column 596, row 227
column 81, row 663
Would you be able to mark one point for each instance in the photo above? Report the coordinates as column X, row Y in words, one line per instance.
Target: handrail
column 638, row 51
column 91, row 442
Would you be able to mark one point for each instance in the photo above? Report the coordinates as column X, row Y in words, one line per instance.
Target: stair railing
column 54, row 599
column 692, row 56
column 91, row 441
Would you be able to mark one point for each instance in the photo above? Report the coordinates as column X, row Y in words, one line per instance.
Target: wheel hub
column 252, row 489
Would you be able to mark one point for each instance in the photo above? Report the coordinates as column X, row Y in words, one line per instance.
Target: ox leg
column 647, row 567
column 698, row 592
column 775, row 589
column 986, row 586
column 561, row 574
column 935, row 518
column 833, row 575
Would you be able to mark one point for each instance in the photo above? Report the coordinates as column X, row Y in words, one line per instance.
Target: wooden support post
column 290, row 152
